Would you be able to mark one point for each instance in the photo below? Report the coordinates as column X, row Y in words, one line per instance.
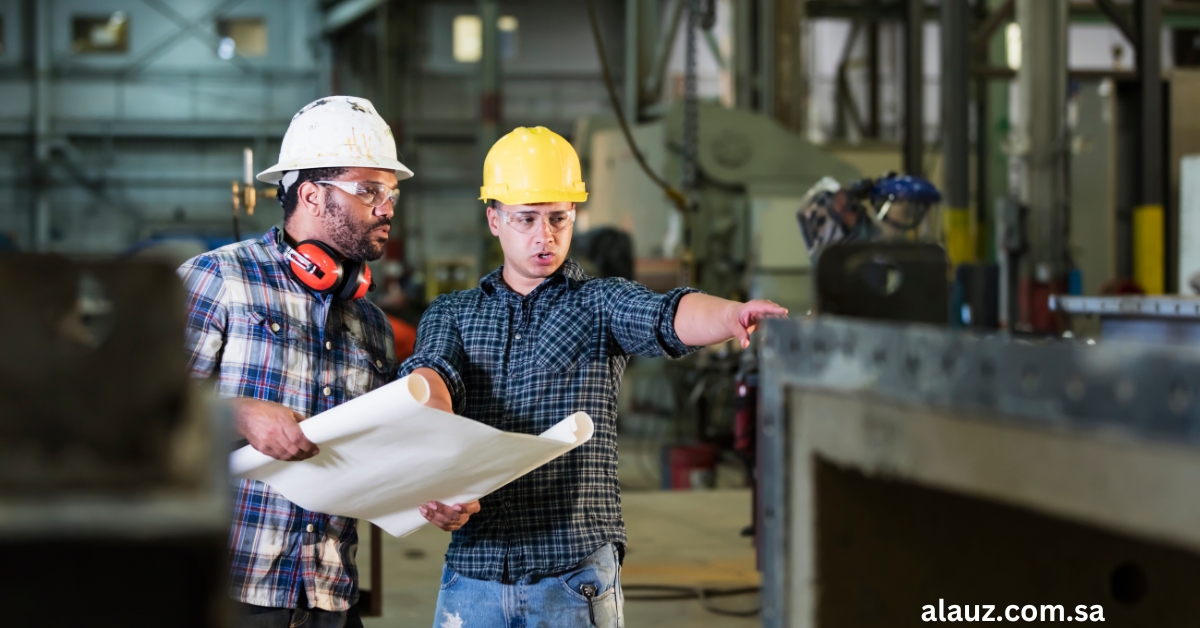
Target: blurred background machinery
column 112, row 463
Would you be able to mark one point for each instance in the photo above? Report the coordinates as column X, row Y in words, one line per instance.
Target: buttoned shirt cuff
column 672, row 345
column 445, row 370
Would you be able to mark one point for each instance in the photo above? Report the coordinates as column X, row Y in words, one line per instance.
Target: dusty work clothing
column 522, row 364
column 263, row 335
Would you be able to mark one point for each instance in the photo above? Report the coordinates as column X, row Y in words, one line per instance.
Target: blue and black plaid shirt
column 522, row 364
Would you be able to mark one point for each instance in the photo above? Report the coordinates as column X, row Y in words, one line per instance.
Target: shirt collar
column 569, row 273
column 275, row 241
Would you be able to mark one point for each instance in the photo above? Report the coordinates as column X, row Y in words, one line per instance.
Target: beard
column 350, row 235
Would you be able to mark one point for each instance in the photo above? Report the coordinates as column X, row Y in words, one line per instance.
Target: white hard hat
column 337, row 131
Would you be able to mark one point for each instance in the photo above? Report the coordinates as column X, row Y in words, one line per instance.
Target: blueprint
column 384, row 454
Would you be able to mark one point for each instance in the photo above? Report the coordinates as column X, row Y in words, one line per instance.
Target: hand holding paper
column 384, row 454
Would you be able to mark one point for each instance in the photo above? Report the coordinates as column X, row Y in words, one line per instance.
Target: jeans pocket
column 449, row 578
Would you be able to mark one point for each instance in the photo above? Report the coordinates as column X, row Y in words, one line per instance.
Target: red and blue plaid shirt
column 265, row 336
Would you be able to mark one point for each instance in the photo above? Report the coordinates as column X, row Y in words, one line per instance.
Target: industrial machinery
column 911, row 473
column 112, row 464
column 752, row 175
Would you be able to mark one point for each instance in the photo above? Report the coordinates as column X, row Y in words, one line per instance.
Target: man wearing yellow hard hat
column 537, row 341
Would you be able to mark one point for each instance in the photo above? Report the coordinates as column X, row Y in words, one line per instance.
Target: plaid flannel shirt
column 522, row 364
column 265, row 336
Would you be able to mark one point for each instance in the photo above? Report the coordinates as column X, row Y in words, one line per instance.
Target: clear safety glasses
column 373, row 194
column 531, row 222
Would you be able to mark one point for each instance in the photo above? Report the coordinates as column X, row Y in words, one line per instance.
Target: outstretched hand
column 747, row 316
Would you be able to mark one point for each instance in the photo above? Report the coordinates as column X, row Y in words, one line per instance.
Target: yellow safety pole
column 1149, row 239
column 960, row 235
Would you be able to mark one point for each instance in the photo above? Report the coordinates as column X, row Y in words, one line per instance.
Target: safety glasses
column 531, row 222
column 373, row 194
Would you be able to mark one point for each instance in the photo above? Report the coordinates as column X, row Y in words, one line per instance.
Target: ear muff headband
column 319, row 268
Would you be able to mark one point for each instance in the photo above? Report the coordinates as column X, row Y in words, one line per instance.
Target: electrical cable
column 672, row 193
column 672, row 592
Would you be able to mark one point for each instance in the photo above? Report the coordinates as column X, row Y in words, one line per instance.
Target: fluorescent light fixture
column 468, row 38
column 1012, row 45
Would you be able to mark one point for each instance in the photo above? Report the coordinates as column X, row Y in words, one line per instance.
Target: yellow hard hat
column 532, row 166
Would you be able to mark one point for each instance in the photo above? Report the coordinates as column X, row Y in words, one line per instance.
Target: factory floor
column 690, row 538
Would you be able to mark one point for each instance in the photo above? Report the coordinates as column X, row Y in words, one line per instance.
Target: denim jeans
column 589, row 594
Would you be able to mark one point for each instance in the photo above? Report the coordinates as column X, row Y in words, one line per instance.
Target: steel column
column 489, row 76
column 914, row 85
column 41, row 122
column 1042, row 144
column 1149, row 229
column 641, row 31
column 956, row 142
column 766, row 57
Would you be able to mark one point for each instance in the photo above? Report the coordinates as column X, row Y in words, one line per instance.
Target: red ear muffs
column 316, row 266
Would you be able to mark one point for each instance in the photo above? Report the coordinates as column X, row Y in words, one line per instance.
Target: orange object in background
column 406, row 337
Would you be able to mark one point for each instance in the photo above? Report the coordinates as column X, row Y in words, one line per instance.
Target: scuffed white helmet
column 337, row 131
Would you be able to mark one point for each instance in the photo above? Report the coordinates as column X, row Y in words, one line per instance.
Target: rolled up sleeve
column 643, row 321
column 439, row 347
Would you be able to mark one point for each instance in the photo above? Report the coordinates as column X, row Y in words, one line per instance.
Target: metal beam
column 956, row 131
column 662, row 53
column 347, row 12
column 1042, row 138
column 766, row 57
column 1149, row 217
column 993, row 22
column 914, row 87
column 1114, row 15
column 179, row 36
column 1175, row 14
column 192, row 29
column 41, row 123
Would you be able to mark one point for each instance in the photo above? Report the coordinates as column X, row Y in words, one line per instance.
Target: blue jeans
column 589, row 594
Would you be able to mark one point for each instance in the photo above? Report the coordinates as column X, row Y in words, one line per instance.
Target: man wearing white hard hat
column 281, row 324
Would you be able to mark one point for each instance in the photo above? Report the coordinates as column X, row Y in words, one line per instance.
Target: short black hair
column 290, row 197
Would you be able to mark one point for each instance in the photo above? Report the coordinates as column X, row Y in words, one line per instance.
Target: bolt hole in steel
column 819, row 348
column 1124, row 391
column 880, row 357
column 1076, row 389
column 89, row 323
column 1128, row 583
column 1179, row 397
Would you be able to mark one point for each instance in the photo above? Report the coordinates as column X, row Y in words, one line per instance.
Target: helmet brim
column 276, row 172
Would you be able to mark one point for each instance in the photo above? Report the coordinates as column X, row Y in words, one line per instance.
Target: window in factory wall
column 100, row 34
column 468, row 38
column 242, row 36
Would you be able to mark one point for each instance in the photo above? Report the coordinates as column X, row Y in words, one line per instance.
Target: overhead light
column 1012, row 44
column 468, row 38
column 226, row 48
column 507, row 23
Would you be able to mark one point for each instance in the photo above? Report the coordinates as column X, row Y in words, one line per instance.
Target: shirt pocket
column 262, row 353
column 565, row 340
